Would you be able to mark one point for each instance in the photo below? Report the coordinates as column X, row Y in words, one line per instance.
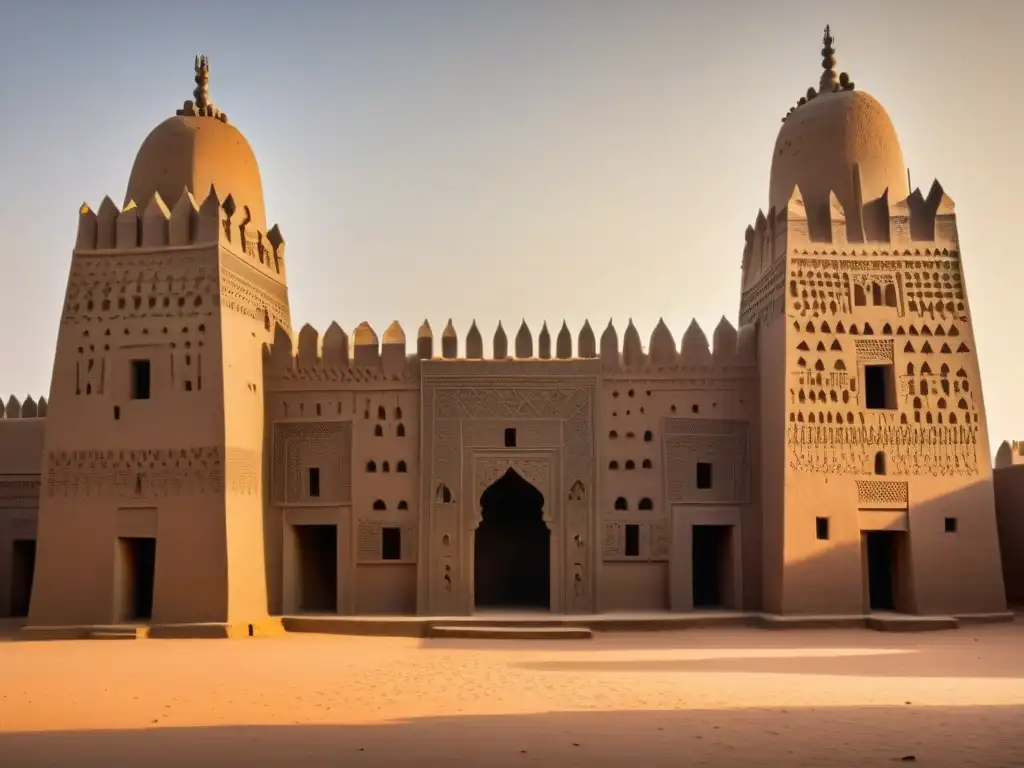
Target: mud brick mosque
column 201, row 466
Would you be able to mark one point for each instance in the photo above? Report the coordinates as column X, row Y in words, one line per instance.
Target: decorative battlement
column 732, row 348
column 24, row 409
column 188, row 223
column 900, row 226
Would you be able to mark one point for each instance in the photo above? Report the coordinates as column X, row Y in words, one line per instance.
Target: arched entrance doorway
column 512, row 556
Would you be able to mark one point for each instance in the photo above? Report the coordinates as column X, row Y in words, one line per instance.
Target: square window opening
column 140, row 380
column 950, row 524
column 632, row 540
column 821, row 528
column 391, row 543
column 314, row 482
column 704, row 476
column 879, row 387
column 510, row 437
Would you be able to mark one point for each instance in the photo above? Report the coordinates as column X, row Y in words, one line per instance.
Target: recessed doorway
column 512, row 549
column 317, row 550
column 136, row 560
column 882, row 560
column 712, row 566
column 23, row 567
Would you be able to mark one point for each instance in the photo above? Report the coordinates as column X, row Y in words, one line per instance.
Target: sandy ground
column 699, row 697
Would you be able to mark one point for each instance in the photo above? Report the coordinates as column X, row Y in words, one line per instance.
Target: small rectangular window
column 510, row 437
column 821, row 528
column 632, row 540
column 391, row 543
column 950, row 525
column 314, row 482
column 140, row 380
column 704, row 475
column 879, row 387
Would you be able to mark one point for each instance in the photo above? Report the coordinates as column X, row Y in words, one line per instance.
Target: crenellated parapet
column 363, row 357
column 28, row 408
column 914, row 223
column 183, row 223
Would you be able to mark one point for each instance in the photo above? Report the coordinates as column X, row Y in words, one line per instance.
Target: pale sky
column 504, row 159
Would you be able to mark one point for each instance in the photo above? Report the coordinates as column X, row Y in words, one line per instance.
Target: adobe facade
column 200, row 463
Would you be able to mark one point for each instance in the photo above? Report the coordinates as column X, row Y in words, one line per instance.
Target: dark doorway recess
column 317, row 567
column 711, row 565
column 138, row 569
column 23, row 567
column 512, row 552
column 882, row 549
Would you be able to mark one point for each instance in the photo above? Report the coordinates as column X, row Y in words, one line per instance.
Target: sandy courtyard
column 699, row 697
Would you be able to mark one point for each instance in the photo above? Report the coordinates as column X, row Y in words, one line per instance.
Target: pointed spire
column 632, row 347
column 544, row 343
column 663, row 345
column 695, row 349
column 524, row 341
column 610, row 345
column 449, row 341
column 586, row 344
column 394, row 334
column 425, row 341
column 474, row 343
column 334, row 347
column 500, row 345
column 563, row 344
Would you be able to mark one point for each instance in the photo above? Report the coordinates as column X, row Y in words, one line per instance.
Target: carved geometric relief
column 299, row 446
column 874, row 350
column 142, row 474
column 937, row 450
column 661, row 540
column 722, row 443
column 614, row 541
column 883, row 492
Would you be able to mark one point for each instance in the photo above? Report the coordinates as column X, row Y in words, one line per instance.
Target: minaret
column 152, row 509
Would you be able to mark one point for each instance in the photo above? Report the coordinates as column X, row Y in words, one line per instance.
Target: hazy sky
column 544, row 159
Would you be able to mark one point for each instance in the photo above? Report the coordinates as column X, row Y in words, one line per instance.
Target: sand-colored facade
column 204, row 466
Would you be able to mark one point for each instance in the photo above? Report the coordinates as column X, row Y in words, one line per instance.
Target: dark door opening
column 512, row 554
column 711, row 565
column 317, row 567
column 23, row 568
column 881, row 562
column 138, row 569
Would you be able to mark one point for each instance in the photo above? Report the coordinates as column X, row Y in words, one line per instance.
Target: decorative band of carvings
column 19, row 494
column 886, row 492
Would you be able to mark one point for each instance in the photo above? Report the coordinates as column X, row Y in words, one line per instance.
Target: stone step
column 510, row 633
column 113, row 634
column 897, row 622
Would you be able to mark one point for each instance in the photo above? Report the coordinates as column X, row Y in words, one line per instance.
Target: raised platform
column 500, row 625
column 425, row 626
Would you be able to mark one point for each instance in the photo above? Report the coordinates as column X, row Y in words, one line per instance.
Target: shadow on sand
column 824, row 736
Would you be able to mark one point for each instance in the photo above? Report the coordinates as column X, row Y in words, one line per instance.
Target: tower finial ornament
column 203, row 106
column 827, row 83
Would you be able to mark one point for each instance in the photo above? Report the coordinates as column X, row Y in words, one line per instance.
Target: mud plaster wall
column 924, row 451
column 1009, row 491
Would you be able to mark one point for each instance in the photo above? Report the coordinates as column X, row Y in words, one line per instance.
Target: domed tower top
column 834, row 135
column 198, row 148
